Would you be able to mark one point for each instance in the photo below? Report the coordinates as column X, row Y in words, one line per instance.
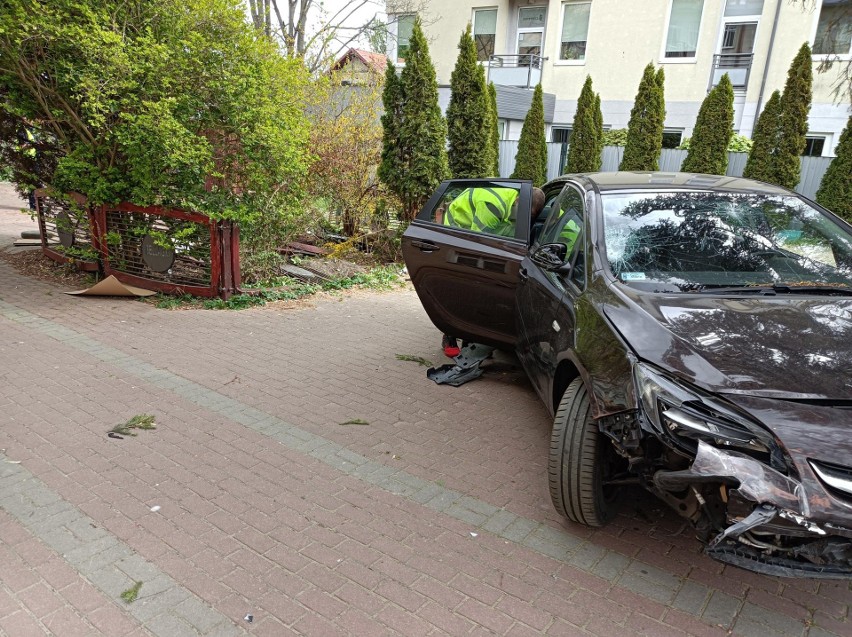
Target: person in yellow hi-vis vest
column 484, row 209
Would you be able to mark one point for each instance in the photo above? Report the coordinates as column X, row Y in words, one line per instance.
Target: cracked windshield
column 703, row 241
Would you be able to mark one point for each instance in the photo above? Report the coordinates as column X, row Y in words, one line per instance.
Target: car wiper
column 772, row 290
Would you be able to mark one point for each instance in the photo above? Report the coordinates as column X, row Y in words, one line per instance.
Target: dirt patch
column 33, row 263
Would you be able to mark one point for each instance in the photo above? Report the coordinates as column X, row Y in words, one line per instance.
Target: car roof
column 629, row 180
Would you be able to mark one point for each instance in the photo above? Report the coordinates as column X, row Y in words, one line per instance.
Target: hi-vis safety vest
column 483, row 209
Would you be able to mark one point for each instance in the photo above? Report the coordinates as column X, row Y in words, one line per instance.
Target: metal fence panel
column 508, row 150
column 671, row 159
column 554, row 155
column 611, row 158
column 813, row 170
column 736, row 164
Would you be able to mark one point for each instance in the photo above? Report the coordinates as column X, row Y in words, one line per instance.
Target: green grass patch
column 131, row 593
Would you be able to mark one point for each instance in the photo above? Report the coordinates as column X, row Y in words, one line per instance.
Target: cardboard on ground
column 111, row 286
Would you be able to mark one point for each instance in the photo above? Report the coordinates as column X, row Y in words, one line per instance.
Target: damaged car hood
column 779, row 347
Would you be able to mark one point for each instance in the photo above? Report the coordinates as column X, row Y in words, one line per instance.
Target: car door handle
column 425, row 246
column 522, row 274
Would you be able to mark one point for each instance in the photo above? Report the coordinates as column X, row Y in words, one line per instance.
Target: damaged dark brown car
column 689, row 333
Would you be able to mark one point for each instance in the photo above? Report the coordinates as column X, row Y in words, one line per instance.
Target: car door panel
column 546, row 301
column 467, row 280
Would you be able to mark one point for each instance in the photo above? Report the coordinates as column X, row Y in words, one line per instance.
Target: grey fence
column 813, row 168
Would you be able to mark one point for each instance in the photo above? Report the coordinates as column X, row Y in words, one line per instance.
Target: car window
column 550, row 198
column 689, row 241
column 565, row 225
column 489, row 208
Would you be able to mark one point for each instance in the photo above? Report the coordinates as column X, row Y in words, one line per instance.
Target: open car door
column 463, row 253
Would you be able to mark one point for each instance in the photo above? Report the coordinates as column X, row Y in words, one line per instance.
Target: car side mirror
column 550, row 256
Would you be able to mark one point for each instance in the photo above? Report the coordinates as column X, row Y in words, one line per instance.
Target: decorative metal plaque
column 156, row 257
column 64, row 229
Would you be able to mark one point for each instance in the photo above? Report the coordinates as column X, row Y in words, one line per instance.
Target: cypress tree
column 795, row 105
column 584, row 150
column 600, row 130
column 531, row 160
column 422, row 131
column 468, row 115
column 760, row 163
column 708, row 148
column 494, row 145
column 391, row 164
column 645, row 129
column 835, row 191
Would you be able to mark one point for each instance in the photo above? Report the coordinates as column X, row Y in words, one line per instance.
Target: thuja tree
column 584, row 152
column 645, row 128
column 391, row 166
column 708, row 147
column 531, row 159
column 795, row 105
column 760, row 164
column 494, row 133
column 835, row 191
column 123, row 97
column 468, row 115
column 422, row 129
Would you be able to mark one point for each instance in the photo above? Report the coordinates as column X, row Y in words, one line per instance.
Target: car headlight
column 683, row 414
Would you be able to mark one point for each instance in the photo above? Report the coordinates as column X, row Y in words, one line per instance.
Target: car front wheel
column 581, row 461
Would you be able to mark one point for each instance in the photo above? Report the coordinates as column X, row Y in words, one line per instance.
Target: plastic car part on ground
column 466, row 366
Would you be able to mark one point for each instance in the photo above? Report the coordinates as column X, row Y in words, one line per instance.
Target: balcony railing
column 736, row 65
column 522, row 70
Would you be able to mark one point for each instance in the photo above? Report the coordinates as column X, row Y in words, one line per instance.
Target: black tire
column 581, row 458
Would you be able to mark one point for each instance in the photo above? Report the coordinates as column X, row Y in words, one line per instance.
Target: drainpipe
column 766, row 64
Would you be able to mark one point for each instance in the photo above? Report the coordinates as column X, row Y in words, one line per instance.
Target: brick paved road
column 432, row 519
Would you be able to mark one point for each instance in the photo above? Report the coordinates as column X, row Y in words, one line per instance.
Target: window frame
column 681, row 60
column 395, row 31
column 826, row 143
column 476, row 10
column 821, row 57
column 672, row 131
column 519, row 30
column 559, row 61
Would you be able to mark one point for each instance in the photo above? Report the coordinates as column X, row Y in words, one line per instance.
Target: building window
column 834, row 29
column 684, row 22
column 531, row 22
column 501, row 128
column 484, row 32
column 814, row 146
column 575, row 30
column 672, row 137
column 404, row 26
column 560, row 134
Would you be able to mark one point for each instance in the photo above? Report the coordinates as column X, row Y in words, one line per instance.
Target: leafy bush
column 738, row 144
column 615, row 137
column 175, row 102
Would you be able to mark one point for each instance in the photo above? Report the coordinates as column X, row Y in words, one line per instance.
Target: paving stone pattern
column 432, row 519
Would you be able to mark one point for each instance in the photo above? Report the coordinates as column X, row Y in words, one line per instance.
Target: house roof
column 375, row 61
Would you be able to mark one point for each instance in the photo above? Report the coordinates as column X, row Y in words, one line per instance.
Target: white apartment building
column 559, row 42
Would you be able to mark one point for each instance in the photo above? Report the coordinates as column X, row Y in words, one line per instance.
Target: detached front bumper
column 770, row 529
